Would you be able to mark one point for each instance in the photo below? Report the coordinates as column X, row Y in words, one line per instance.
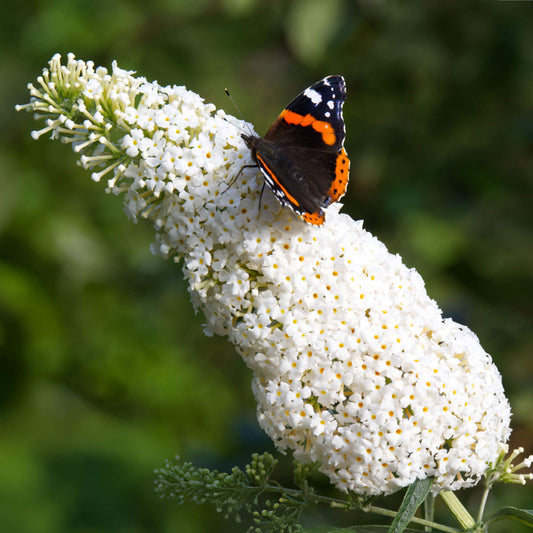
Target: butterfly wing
column 314, row 118
column 306, row 159
column 304, row 179
column 302, row 156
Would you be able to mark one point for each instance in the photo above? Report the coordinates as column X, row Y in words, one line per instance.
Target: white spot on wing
column 331, row 104
column 313, row 95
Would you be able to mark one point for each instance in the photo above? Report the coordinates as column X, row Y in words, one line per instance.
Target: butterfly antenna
column 238, row 110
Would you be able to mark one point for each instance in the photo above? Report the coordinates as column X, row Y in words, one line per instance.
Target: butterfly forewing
column 314, row 118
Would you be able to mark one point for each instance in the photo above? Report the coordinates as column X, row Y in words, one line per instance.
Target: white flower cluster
column 353, row 364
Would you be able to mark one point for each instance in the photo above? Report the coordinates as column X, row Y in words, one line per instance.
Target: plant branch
column 350, row 506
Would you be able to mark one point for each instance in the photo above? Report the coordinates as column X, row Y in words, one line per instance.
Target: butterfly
column 302, row 157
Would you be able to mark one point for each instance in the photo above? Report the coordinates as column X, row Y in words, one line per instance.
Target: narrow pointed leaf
column 513, row 513
column 414, row 497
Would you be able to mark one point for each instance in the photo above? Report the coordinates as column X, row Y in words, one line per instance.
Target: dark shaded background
column 105, row 371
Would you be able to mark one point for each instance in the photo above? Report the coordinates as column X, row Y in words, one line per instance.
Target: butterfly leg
column 233, row 180
column 261, row 197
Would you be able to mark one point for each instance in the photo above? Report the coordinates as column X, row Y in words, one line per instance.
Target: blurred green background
column 105, row 370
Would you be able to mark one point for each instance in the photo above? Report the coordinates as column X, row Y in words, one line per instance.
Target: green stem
column 415, row 520
column 429, row 509
column 458, row 509
column 482, row 504
column 348, row 506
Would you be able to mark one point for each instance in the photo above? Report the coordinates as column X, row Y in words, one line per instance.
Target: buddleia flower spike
column 353, row 364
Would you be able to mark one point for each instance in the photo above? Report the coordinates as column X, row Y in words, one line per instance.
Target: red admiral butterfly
column 302, row 156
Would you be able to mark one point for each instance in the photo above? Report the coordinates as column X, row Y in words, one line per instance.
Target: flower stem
column 429, row 509
column 415, row 520
column 347, row 505
column 482, row 504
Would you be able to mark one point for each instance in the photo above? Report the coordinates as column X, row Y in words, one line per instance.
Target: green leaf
column 525, row 516
column 412, row 500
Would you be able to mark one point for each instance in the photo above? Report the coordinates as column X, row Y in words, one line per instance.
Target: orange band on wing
column 317, row 219
column 322, row 127
column 342, row 173
column 276, row 181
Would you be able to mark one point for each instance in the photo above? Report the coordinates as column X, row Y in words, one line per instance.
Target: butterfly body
column 301, row 156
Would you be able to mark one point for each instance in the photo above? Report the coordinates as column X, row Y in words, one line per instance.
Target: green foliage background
column 105, row 371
